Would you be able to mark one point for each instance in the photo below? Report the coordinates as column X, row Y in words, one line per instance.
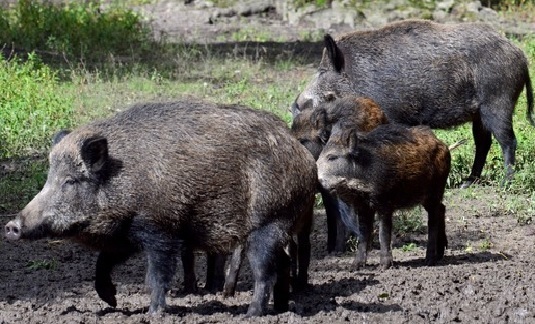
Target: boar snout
column 13, row 230
column 330, row 183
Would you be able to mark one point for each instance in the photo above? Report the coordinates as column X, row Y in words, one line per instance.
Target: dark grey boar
column 160, row 177
column 425, row 73
column 390, row 168
column 312, row 128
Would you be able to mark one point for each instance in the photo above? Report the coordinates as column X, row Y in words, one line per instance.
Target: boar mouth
column 347, row 188
column 46, row 230
column 333, row 185
column 38, row 232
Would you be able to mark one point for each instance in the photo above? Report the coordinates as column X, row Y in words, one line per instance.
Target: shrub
column 75, row 30
column 32, row 107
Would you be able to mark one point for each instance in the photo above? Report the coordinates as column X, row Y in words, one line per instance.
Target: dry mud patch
column 487, row 276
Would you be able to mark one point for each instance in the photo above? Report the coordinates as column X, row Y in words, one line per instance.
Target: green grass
column 32, row 107
column 35, row 265
column 409, row 247
column 76, row 30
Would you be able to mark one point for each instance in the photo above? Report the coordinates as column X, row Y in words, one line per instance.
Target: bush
column 32, row 107
column 78, row 30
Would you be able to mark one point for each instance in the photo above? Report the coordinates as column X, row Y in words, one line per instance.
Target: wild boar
column 390, row 168
column 425, row 73
column 160, row 177
column 312, row 128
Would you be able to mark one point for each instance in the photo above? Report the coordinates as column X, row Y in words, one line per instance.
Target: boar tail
column 457, row 144
column 529, row 97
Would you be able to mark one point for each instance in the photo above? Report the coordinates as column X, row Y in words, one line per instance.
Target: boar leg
column 342, row 234
column 103, row 284
column 442, row 238
column 483, row 141
column 385, row 239
column 365, row 218
column 162, row 260
column 188, row 263
column 505, row 136
column 231, row 278
column 281, row 290
column 436, row 238
column 303, row 253
column 264, row 244
column 332, row 211
column 215, row 272
column 291, row 250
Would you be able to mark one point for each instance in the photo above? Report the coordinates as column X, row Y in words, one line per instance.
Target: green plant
column 311, row 36
column 35, row 265
column 32, row 107
column 408, row 221
column 485, row 245
column 409, row 247
column 468, row 247
column 244, row 34
column 351, row 244
column 76, row 30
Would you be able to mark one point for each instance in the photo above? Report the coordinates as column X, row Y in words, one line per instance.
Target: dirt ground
column 486, row 277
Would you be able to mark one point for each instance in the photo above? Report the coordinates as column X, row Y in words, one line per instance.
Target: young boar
column 160, row 177
column 312, row 128
column 390, row 168
column 425, row 73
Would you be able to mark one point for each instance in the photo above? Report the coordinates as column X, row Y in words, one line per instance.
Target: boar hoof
column 430, row 261
column 468, row 182
column 300, row 284
column 359, row 264
column 254, row 310
column 360, row 260
column 106, row 292
column 190, row 287
column 386, row 262
column 229, row 290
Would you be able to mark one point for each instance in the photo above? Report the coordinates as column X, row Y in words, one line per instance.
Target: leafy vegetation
column 409, row 247
column 78, row 29
column 35, row 265
column 32, row 106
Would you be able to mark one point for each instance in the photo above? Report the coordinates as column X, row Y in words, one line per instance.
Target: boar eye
column 70, row 181
column 303, row 141
column 332, row 157
column 330, row 96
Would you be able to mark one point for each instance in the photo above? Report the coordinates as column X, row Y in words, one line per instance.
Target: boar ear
column 95, row 153
column 335, row 55
column 59, row 136
column 319, row 120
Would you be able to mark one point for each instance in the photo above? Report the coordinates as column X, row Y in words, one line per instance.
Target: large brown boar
column 390, row 168
column 425, row 73
column 160, row 177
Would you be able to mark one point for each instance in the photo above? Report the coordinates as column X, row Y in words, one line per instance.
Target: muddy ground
column 486, row 277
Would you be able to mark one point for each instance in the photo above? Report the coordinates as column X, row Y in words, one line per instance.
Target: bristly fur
column 159, row 177
column 392, row 167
